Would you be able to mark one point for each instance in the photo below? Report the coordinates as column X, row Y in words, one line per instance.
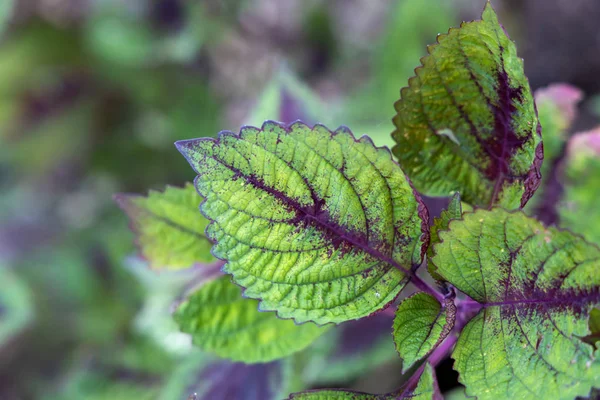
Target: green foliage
column 349, row 351
column 425, row 388
column 467, row 121
column 421, row 324
column 169, row 228
column 16, row 308
column 537, row 286
column 578, row 209
column 309, row 220
column 222, row 321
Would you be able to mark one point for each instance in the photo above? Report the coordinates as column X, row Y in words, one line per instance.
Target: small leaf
column 210, row 379
column 421, row 386
column 421, row 324
column 223, row 322
column 472, row 85
column 318, row 225
column 536, row 286
column 170, row 230
column 454, row 211
column 578, row 209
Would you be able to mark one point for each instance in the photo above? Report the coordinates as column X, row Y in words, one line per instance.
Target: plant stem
column 442, row 351
column 425, row 287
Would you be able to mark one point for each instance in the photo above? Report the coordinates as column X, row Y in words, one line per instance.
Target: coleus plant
column 314, row 227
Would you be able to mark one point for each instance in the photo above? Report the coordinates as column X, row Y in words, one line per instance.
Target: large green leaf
column 170, row 230
column 467, row 121
column 421, row 324
column 422, row 386
column 223, row 322
column 536, row 287
column 317, row 224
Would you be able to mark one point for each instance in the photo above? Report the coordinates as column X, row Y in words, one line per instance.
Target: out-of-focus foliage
column 92, row 98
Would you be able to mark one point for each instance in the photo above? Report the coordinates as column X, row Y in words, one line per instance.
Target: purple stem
column 442, row 351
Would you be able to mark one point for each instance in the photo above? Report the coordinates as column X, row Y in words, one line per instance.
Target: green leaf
column 578, row 209
column 223, row 322
column 536, row 287
column 318, row 225
column 170, row 230
column 454, row 211
column 421, row 324
column 421, row 386
column 467, row 121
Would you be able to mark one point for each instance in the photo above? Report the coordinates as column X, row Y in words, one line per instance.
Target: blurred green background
column 93, row 93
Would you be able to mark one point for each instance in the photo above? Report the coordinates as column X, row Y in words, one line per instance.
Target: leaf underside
column 169, row 228
column 467, row 121
column 424, row 388
column 317, row 224
column 536, row 286
column 220, row 320
column 421, row 324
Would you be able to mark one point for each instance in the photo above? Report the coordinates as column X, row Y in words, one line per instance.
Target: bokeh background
column 93, row 93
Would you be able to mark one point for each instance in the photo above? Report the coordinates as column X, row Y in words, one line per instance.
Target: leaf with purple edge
column 318, row 225
column 421, row 386
column 467, row 121
column 169, row 227
column 536, row 287
column 421, row 324
column 221, row 321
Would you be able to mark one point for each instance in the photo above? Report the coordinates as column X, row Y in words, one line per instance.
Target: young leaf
column 317, row 224
column 454, row 211
column 536, row 286
column 578, row 209
column 422, row 386
column 209, row 379
column 223, row 322
column 467, row 121
column 170, row 230
column 421, row 324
